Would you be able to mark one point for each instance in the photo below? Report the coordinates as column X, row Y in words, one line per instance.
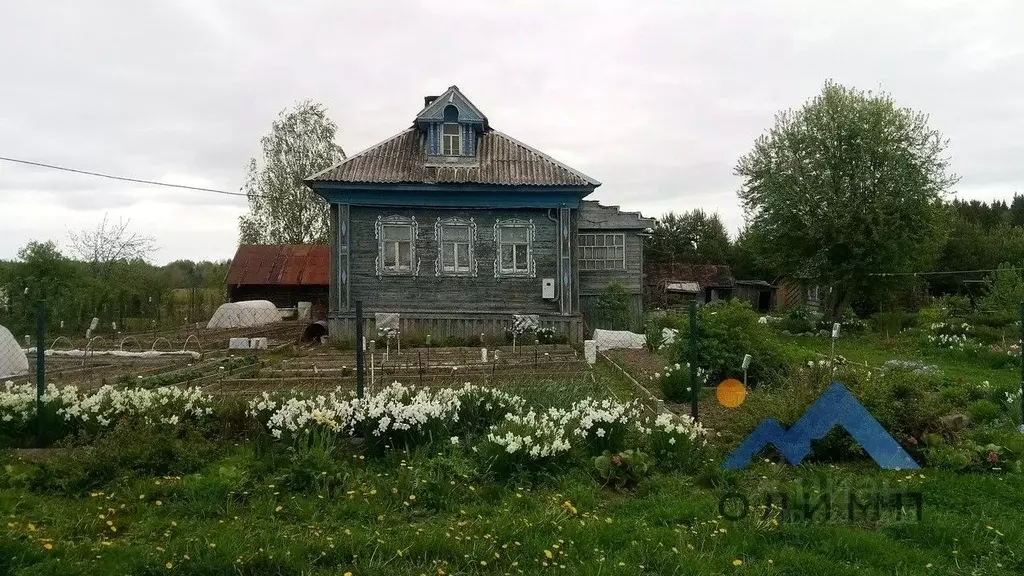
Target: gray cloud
column 657, row 100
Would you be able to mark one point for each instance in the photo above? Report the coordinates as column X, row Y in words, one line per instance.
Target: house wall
column 427, row 292
column 593, row 283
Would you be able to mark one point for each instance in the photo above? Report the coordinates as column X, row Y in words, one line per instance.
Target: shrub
column 727, row 330
column 528, row 443
column 144, row 449
column 623, row 469
column 984, row 412
column 654, row 338
column 613, row 306
column 678, row 442
column 675, row 384
column 1013, row 406
column 603, row 424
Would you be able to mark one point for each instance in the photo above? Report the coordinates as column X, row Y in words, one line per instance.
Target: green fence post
column 693, row 360
column 40, row 368
column 1021, row 349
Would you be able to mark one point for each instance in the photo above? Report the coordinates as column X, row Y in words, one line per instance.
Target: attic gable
column 468, row 113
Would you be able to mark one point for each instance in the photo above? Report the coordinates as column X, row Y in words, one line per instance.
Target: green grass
column 875, row 351
column 235, row 506
column 395, row 518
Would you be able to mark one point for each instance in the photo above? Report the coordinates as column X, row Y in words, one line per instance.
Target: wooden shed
column 284, row 274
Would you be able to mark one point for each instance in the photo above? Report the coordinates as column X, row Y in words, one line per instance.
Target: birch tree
column 282, row 210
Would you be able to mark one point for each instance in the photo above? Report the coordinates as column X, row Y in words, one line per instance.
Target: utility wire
column 943, row 272
column 121, row 178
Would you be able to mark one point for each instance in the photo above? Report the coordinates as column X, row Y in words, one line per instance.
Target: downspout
column 559, row 240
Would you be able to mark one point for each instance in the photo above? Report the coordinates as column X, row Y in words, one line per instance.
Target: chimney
column 428, row 100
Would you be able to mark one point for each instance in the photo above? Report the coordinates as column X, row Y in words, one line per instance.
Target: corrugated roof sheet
column 281, row 264
column 500, row 159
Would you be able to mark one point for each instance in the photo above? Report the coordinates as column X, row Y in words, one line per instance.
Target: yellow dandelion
column 31, row 527
column 737, row 562
column 548, row 554
column 169, row 565
column 348, row 574
column 48, row 546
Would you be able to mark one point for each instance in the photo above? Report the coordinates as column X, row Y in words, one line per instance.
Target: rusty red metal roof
column 281, row 264
column 500, row 159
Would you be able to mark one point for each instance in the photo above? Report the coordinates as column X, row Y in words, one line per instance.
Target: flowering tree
column 847, row 186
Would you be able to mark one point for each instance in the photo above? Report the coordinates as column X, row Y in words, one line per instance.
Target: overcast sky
column 657, row 100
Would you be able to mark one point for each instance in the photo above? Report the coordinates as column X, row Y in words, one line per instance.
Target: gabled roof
column 500, row 159
column 468, row 112
column 280, row 264
column 594, row 216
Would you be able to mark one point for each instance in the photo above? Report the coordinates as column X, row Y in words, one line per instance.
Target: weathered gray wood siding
column 593, row 283
column 428, row 292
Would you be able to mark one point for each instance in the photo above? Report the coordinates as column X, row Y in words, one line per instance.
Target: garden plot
column 323, row 368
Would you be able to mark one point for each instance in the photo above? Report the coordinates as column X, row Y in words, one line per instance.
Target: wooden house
column 456, row 226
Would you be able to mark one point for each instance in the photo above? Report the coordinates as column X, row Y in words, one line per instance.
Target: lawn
column 160, row 481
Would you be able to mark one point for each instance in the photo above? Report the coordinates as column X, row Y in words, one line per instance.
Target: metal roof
column 500, row 159
column 281, row 264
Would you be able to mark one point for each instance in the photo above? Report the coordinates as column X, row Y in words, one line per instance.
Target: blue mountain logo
column 836, row 407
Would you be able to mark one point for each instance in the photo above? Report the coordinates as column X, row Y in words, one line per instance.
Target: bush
column 984, row 412
column 127, row 449
column 727, row 330
column 678, row 442
column 674, row 383
column 654, row 338
column 622, row 470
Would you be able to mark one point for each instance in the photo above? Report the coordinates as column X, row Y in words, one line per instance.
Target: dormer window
column 451, row 132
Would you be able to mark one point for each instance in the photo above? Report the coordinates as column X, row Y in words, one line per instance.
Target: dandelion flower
column 48, row 546
column 737, row 562
column 548, row 554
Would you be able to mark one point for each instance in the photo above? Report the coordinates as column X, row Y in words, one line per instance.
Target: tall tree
column 282, row 210
column 693, row 237
column 109, row 243
column 847, row 186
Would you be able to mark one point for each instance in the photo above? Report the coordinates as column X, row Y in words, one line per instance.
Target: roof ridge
column 566, row 167
column 360, row 153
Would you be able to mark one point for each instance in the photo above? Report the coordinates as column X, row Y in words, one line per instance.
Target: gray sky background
column 655, row 99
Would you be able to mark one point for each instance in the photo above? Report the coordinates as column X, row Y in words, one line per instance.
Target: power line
column 944, row 272
column 121, row 178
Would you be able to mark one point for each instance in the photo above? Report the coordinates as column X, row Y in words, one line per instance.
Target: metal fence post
column 693, row 360
column 360, row 349
column 40, row 368
column 1021, row 349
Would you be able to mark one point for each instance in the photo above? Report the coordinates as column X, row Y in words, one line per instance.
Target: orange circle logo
column 731, row 393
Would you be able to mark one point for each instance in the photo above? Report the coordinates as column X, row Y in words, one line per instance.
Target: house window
column 396, row 245
column 602, row 251
column 451, row 140
column 515, row 248
column 455, row 238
